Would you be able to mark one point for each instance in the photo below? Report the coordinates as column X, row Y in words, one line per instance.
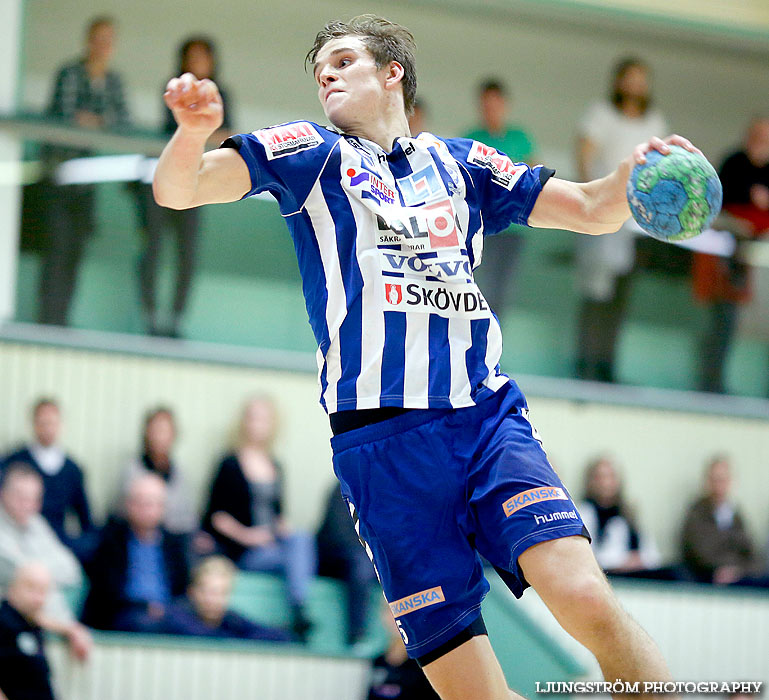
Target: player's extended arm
column 186, row 176
column 598, row 206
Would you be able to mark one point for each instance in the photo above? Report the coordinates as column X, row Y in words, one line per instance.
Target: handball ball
column 676, row 196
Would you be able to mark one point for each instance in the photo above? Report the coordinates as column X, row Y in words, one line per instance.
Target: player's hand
column 663, row 146
column 196, row 104
column 80, row 641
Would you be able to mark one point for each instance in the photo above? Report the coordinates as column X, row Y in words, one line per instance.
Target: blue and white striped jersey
column 386, row 244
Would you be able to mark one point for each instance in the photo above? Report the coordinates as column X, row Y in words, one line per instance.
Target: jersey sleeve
column 505, row 192
column 284, row 160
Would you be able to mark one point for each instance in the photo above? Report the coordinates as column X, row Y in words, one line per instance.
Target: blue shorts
column 430, row 490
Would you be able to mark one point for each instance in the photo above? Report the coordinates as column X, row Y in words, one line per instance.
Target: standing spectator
column 63, row 484
column 340, row 555
column 139, row 567
column 89, row 94
column 245, row 512
column 617, row 543
column 724, row 283
column 394, row 674
column 501, row 253
column 197, row 55
column 716, row 545
column 204, row 612
column 158, row 438
column 25, row 535
column 605, row 263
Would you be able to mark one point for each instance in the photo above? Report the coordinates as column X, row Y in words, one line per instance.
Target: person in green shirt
column 502, row 253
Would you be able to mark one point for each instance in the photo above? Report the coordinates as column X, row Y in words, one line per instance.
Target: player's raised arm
column 598, row 206
column 186, row 176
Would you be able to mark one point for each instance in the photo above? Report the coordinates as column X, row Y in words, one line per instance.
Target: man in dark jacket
column 63, row 484
column 139, row 568
column 717, row 547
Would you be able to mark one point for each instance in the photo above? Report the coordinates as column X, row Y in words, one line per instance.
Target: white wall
column 554, row 68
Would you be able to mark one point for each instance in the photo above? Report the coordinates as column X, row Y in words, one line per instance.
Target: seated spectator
column 25, row 535
column 617, row 543
column 204, row 612
column 24, row 671
column 716, row 545
column 64, row 488
column 158, row 439
column 340, row 555
column 139, row 567
column 394, row 674
column 244, row 513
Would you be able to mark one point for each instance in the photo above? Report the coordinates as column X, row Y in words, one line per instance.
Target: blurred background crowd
column 170, row 540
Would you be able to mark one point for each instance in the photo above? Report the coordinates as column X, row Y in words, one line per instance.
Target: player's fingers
column 676, row 140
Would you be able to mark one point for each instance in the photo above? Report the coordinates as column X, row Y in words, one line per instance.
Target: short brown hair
column 385, row 40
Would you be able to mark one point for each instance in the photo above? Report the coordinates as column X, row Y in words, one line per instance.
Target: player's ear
column 394, row 74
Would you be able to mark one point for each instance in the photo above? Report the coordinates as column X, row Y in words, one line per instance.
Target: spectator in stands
column 89, row 94
column 394, row 674
column 24, row 671
column 245, row 511
column 722, row 284
column 716, row 545
column 340, row 555
column 501, row 253
column 605, row 263
column 617, row 543
column 158, row 438
column 139, row 567
column 63, row 484
column 205, row 611
column 25, row 535
column 197, row 55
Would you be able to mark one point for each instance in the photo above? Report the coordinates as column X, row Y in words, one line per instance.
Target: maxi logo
column 421, row 186
column 413, row 266
column 447, row 300
column 281, row 141
column 377, row 190
column 503, row 171
column 417, row 601
column 532, row 496
column 426, row 228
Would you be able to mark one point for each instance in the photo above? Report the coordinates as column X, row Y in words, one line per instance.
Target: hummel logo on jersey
column 503, row 171
column 527, row 498
column 377, row 190
column 437, row 223
column 285, row 140
column 393, row 294
column 421, row 186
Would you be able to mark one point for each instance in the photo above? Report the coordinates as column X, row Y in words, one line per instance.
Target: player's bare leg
column 567, row 577
column 469, row 671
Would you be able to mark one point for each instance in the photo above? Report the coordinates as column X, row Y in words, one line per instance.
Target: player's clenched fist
column 196, row 104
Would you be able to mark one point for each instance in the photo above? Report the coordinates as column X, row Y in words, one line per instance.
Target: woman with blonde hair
column 245, row 511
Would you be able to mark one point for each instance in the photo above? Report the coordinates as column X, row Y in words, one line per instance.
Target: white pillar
column 10, row 154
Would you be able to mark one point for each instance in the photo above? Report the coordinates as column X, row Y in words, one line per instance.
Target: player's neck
column 383, row 129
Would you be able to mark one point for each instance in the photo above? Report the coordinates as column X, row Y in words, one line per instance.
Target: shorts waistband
column 387, row 428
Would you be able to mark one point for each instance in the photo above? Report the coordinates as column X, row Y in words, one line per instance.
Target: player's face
column 350, row 86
